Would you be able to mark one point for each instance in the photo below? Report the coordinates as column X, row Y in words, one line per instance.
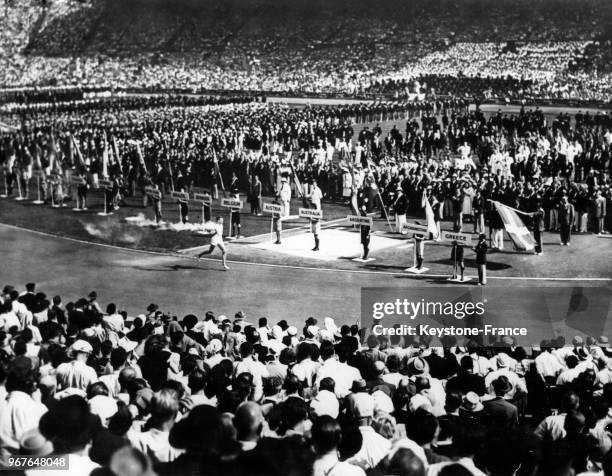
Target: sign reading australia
column 495, row 315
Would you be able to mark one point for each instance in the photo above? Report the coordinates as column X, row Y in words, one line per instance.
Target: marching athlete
column 236, row 227
column 277, row 223
column 217, row 240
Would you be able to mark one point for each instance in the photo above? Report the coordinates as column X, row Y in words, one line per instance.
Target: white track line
column 179, row 255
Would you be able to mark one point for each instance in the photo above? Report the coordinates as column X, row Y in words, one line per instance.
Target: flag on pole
column 105, row 158
column 516, row 229
column 429, row 214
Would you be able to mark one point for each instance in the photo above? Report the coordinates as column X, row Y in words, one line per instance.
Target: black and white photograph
column 306, row 237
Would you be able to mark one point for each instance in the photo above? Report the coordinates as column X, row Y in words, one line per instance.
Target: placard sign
column 310, row 213
column 153, row 192
column 231, row 203
column 414, row 229
column 272, row 208
column 105, row 183
column 462, row 238
column 180, row 195
column 359, row 220
column 202, row 197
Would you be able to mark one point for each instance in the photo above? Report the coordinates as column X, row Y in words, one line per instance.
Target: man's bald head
column 248, row 421
column 126, row 375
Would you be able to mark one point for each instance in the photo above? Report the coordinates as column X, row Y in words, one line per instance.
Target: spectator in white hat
column 374, row 447
column 76, row 373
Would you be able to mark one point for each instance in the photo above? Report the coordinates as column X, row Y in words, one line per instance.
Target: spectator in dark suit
column 500, row 412
column 466, row 380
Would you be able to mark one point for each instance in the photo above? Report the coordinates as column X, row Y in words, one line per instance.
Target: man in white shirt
column 342, row 374
column 21, row 412
column 326, row 435
column 547, row 365
column 154, row 442
column 76, row 373
column 249, row 365
column 504, row 363
column 374, row 447
column 113, row 321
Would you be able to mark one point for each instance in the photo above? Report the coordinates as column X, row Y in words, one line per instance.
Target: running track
column 133, row 279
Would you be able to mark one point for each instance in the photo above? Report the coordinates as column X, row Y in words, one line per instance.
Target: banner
column 518, row 232
column 431, row 221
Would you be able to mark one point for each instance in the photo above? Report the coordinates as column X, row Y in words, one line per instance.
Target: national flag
column 516, row 229
column 429, row 214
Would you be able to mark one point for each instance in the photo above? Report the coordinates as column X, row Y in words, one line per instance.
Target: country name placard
column 180, row 195
column 272, row 208
column 414, row 229
column 310, row 213
column 462, row 238
column 231, row 203
column 153, row 192
column 359, row 220
column 202, row 198
column 105, row 183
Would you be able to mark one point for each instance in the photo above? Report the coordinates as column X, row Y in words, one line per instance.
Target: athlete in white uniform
column 217, row 240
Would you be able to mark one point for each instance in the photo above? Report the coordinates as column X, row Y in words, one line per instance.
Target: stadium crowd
column 299, row 48
column 216, row 395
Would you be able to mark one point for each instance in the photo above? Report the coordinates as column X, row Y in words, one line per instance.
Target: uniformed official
column 365, row 236
column 277, row 223
column 481, row 258
column 235, row 224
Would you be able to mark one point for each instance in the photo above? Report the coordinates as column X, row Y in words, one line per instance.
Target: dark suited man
column 499, row 412
column 566, row 219
column 539, row 224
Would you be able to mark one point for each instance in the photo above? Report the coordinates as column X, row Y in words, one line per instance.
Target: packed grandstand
column 196, row 96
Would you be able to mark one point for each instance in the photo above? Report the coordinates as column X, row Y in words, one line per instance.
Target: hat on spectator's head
column 92, row 295
column 311, row 321
column 325, row 403
column 127, row 344
column 283, row 325
column 382, row 402
column 69, row 424
column 363, row 405
column 239, row 315
column 582, row 353
column 103, row 406
column 590, row 340
column 32, row 443
column 276, row 332
column 359, row 386
column 152, row 307
column 501, row 385
column 503, row 360
column 143, row 399
column 292, row 331
column 8, row 289
column 202, row 416
column 577, row 340
column 417, row 366
column 471, row 403
column 214, row 346
column 80, row 347
column 603, row 341
column 312, row 331
column 507, row 340
column 379, row 367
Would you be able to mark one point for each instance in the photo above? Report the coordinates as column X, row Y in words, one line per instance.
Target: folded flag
column 516, row 229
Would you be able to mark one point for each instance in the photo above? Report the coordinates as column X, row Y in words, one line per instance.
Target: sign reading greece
column 180, row 195
column 272, row 208
column 463, row 238
column 203, row 198
column 359, row 220
column 74, row 180
column 153, row 192
column 310, row 213
column 414, row 229
column 231, row 203
column 105, row 183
